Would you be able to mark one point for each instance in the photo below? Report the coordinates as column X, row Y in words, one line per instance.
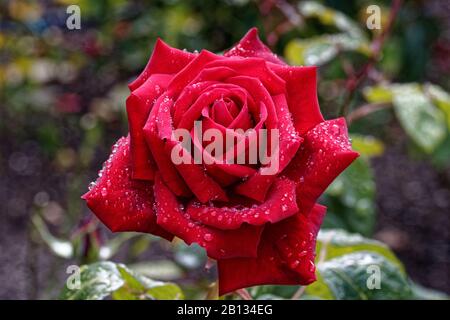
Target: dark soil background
column 413, row 214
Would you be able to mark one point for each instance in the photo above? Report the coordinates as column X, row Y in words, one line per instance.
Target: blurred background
column 63, row 106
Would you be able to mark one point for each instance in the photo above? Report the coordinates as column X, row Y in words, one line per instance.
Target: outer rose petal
column 139, row 104
column 219, row 244
column 280, row 204
column 285, row 255
column 121, row 203
column 164, row 59
column 301, row 86
column 251, row 46
column 324, row 154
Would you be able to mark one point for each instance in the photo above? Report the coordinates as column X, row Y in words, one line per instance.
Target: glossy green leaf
column 102, row 279
column 440, row 97
column 335, row 243
column 97, row 281
column 422, row 293
column 352, row 277
column 321, row 49
column 421, row 120
column 330, row 17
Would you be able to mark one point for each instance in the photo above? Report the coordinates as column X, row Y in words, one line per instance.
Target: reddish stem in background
column 293, row 19
column 243, row 293
column 365, row 110
column 355, row 80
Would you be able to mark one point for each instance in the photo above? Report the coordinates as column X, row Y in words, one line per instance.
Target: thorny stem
column 354, row 81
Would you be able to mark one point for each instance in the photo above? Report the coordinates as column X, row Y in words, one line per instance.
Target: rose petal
column 324, row 154
column 164, row 59
column 190, row 72
column 186, row 98
column 166, row 167
column 220, row 113
column 251, row 46
column 255, row 68
column 285, row 255
column 205, row 99
column 121, row 203
column 257, row 185
column 301, row 87
column 219, row 244
column 139, row 104
column 280, row 204
column 260, row 95
column 194, row 175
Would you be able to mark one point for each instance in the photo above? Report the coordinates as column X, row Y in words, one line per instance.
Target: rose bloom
column 260, row 228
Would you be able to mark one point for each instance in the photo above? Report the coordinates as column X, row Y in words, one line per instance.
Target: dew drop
column 312, row 267
column 207, row 237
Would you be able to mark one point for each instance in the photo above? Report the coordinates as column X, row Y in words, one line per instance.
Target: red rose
column 260, row 228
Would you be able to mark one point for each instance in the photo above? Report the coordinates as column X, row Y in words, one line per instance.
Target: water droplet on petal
column 312, row 267
column 207, row 237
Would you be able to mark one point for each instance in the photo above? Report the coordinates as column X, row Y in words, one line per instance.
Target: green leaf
column 102, row 279
column 336, row 243
column 349, row 277
column 138, row 287
column 158, row 269
column 330, row 17
column 350, row 198
column 167, row 291
column 422, row 293
column 342, row 261
column 321, row 49
column 97, row 281
column 368, row 146
column 421, row 120
column 268, row 292
column 378, row 94
column 440, row 97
